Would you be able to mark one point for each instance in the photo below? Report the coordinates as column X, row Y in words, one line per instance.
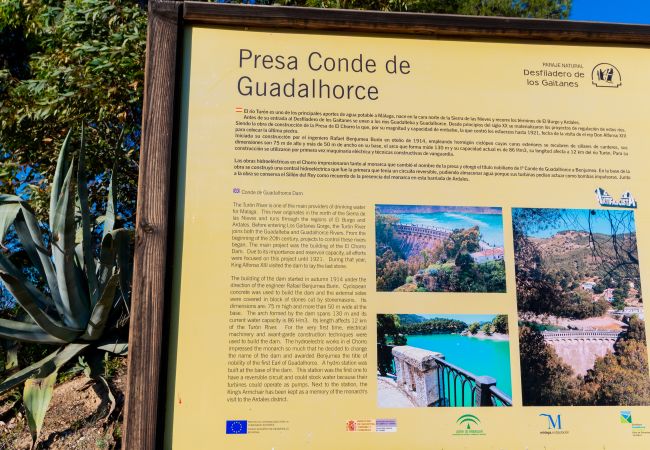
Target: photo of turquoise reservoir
column 425, row 248
column 441, row 360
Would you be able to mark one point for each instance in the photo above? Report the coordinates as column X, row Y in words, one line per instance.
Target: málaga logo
column 606, row 75
column 469, row 426
column 553, row 424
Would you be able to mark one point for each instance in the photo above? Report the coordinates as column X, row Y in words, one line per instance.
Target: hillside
column 571, row 251
column 409, row 319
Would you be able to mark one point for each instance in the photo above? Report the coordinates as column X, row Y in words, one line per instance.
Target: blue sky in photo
column 615, row 11
column 578, row 220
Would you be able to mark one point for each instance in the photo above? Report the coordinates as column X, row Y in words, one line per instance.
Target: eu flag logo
column 236, row 426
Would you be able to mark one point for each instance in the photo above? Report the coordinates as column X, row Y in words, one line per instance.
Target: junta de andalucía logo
column 469, row 425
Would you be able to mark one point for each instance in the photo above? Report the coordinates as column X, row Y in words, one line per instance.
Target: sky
column 616, row 11
column 578, row 220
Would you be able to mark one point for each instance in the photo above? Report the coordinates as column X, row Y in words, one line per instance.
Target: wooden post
column 142, row 413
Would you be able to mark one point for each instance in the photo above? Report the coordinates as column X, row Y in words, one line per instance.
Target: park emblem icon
column 626, row 416
column 605, row 75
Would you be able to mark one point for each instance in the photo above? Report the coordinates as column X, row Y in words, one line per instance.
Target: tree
column 546, row 380
column 500, row 323
column 473, row 327
column 618, row 304
column 437, row 325
column 462, row 241
column 391, row 274
column 636, row 330
column 388, row 327
column 385, row 233
column 64, row 63
column 550, row 9
column 621, row 378
column 599, row 288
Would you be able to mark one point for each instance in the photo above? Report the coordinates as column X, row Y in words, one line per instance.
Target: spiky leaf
column 111, row 397
column 109, row 217
column 8, row 211
column 24, row 297
column 35, row 239
column 26, row 332
column 102, row 310
column 117, row 348
column 36, row 398
column 59, row 174
column 76, row 306
column 86, row 240
column 28, row 371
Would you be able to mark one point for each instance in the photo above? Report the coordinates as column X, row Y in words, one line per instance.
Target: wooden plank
column 494, row 28
column 142, row 411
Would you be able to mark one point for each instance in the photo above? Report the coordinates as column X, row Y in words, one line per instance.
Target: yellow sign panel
column 389, row 242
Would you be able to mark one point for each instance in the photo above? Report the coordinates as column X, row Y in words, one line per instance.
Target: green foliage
column 388, row 334
column 551, row 9
column 618, row 304
column 621, row 378
column 435, row 326
column 500, row 324
column 388, row 325
column 462, row 241
column 391, row 273
column 473, row 327
column 464, row 262
column 636, row 330
column 579, row 305
column 385, row 233
column 470, row 277
column 599, row 288
column 407, row 319
column 111, row 365
column 80, row 59
column 487, row 328
column 546, row 380
column 85, row 305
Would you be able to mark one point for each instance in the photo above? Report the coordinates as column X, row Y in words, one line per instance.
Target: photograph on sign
column 439, row 249
column 433, row 360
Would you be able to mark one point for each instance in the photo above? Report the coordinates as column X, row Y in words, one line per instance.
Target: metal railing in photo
column 459, row 387
column 429, row 380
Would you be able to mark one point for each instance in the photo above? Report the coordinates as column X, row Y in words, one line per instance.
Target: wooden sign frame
column 144, row 403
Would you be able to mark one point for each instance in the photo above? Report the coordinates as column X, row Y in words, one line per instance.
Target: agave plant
column 81, row 306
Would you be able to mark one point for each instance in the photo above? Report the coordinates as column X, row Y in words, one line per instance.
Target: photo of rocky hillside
column 580, row 305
